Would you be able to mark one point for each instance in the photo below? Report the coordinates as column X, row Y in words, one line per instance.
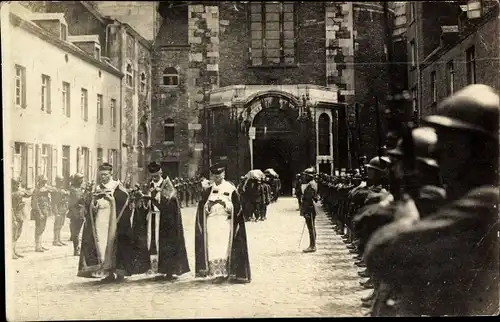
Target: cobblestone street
column 285, row 281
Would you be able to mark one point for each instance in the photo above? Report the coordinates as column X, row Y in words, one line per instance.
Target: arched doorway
column 278, row 143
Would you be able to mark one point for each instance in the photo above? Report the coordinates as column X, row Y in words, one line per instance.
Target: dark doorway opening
column 170, row 169
column 275, row 153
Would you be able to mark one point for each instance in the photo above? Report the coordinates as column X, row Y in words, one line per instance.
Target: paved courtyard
column 285, row 281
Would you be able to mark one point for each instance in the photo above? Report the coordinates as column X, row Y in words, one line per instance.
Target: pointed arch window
column 170, row 77
column 169, row 128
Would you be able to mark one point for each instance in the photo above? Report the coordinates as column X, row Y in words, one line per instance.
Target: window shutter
column 91, row 162
column 110, row 156
column 23, row 89
column 78, row 160
column 30, row 166
column 38, row 162
column 12, row 159
column 54, row 164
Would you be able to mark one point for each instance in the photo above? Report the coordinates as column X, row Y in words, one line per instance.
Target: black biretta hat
column 105, row 167
column 217, row 168
column 154, row 168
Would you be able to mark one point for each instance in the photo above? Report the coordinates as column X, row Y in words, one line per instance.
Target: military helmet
column 424, row 140
column 42, row 178
column 15, row 182
column 379, row 163
column 59, row 178
column 474, row 108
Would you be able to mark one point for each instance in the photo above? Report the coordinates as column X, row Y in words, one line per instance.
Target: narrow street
column 285, row 281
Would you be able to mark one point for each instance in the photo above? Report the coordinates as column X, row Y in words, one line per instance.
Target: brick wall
column 486, row 44
column 370, row 70
column 360, row 27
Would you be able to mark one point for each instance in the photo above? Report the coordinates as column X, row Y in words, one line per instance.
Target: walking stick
column 302, row 235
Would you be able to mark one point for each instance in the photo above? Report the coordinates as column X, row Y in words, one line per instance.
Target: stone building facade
column 61, row 101
column 470, row 56
column 128, row 51
column 332, row 56
column 437, row 31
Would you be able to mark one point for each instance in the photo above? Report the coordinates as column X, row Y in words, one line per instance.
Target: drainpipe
column 419, row 73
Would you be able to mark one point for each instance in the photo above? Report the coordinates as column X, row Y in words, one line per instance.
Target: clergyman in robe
column 221, row 249
column 159, row 233
column 107, row 243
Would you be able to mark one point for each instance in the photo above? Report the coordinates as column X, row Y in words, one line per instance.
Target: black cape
column 172, row 254
column 239, row 263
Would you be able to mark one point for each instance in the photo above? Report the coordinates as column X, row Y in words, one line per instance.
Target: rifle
column 379, row 130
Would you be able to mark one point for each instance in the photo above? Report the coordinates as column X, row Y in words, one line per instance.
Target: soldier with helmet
column 60, row 197
column 40, row 210
column 428, row 197
column 77, row 208
column 455, row 249
column 18, row 205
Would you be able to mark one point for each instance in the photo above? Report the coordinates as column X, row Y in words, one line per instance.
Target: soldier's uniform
column 78, row 203
column 447, row 262
column 41, row 210
column 17, row 214
column 307, row 208
column 266, row 199
column 298, row 189
column 60, row 199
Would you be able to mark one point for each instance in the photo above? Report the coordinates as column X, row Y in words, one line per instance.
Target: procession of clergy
column 140, row 231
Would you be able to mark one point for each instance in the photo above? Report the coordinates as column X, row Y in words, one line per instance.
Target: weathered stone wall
column 360, row 72
column 486, row 43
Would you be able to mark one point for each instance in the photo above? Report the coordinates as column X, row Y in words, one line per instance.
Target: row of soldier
column 65, row 199
column 426, row 231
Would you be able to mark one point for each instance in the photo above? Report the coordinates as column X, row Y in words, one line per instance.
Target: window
column 19, row 161
column 97, row 53
column 66, row 99
column 83, row 163
column 84, row 104
column 44, row 167
column 66, row 159
column 143, row 82
column 450, row 71
column 45, row 94
column 100, row 110
column 414, row 99
column 170, row 77
column 471, row 65
column 413, row 53
column 474, row 9
column 64, row 32
column 324, row 134
column 169, row 127
column 20, row 85
column 112, row 108
column 272, row 28
column 99, row 156
column 433, row 87
column 113, row 160
column 130, row 75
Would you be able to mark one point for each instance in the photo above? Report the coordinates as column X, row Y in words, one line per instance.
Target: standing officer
column 307, row 208
column 60, row 208
column 40, row 210
column 17, row 214
column 77, row 209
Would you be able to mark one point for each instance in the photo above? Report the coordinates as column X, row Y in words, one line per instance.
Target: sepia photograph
column 250, row 159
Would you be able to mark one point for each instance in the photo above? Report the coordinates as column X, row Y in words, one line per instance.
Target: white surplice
column 217, row 208
column 156, row 233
